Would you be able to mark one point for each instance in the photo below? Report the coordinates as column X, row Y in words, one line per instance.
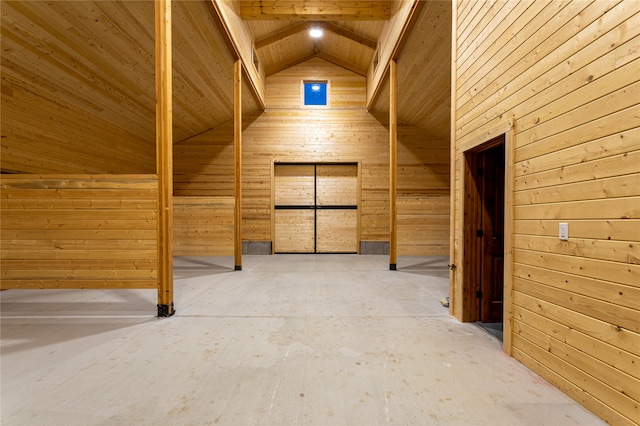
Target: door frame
column 469, row 301
column 276, row 162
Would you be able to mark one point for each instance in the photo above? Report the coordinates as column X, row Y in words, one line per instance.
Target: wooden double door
column 315, row 208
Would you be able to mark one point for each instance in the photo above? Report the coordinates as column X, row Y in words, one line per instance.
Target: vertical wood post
column 164, row 156
column 237, row 143
column 393, row 149
column 454, row 302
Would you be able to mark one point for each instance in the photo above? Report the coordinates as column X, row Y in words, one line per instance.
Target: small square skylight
column 315, row 93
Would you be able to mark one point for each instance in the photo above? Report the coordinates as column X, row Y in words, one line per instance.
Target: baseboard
column 256, row 247
column 374, row 247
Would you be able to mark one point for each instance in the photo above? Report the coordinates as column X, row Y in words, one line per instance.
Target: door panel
column 336, row 185
column 294, row 231
column 337, row 231
column 492, row 221
column 316, row 208
column 294, row 185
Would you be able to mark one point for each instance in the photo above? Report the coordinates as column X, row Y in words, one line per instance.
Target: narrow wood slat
column 619, row 316
column 78, row 284
column 622, row 360
column 46, row 264
column 99, row 255
column 603, row 331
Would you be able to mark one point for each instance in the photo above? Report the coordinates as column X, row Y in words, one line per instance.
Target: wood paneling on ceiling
column 90, row 66
column 280, row 47
column 96, row 59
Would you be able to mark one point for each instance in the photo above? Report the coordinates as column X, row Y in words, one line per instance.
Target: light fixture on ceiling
column 315, row 87
column 315, row 32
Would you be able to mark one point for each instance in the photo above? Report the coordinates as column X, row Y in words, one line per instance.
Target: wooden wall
column 203, row 226
column 344, row 132
column 567, row 73
column 423, row 193
column 79, row 232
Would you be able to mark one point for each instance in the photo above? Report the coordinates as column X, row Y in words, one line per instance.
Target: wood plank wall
column 79, row 231
column 203, row 226
column 568, row 74
column 345, row 132
column 423, row 194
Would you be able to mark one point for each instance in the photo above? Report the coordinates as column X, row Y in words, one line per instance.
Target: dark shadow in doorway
column 493, row 328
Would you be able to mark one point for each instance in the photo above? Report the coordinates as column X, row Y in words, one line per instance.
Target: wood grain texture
column 78, row 84
column 90, row 231
column 337, row 231
column 203, row 226
column 287, row 132
column 315, row 10
column 567, row 73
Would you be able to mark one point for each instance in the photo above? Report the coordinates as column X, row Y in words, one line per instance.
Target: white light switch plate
column 563, row 231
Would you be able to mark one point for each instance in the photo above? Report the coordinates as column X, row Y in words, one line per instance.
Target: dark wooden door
column 491, row 175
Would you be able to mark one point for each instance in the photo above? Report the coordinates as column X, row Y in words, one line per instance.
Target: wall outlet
column 563, row 231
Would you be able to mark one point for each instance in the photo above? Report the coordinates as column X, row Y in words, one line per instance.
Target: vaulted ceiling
column 97, row 56
column 281, row 31
column 352, row 34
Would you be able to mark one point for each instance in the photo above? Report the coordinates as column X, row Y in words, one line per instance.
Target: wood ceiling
column 352, row 30
column 97, row 56
column 281, row 31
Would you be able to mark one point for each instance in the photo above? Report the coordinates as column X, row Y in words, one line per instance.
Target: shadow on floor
column 433, row 266
column 192, row 267
column 45, row 332
column 493, row 328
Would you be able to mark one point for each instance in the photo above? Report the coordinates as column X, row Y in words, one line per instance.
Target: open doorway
column 484, row 242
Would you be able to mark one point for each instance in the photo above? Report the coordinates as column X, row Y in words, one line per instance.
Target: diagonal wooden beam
column 284, row 65
column 238, row 45
column 315, row 10
column 327, row 26
column 344, row 32
column 342, row 63
column 397, row 33
column 282, row 35
column 317, row 54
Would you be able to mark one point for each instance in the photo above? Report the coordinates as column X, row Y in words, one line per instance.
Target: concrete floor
column 290, row 340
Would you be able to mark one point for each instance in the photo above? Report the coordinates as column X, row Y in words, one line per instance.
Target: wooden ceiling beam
column 327, row 26
column 284, row 65
column 317, row 54
column 282, row 35
column 315, row 10
column 342, row 63
column 344, row 32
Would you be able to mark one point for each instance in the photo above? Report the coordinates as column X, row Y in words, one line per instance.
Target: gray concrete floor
column 290, row 340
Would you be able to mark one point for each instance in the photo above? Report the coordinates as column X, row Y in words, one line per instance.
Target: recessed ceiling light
column 315, row 32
